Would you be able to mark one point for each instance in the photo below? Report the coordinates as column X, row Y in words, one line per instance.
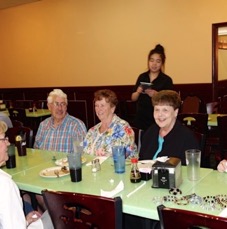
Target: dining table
column 37, row 113
column 212, row 119
column 138, row 199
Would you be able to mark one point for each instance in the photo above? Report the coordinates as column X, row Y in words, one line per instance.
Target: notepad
column 145, row 85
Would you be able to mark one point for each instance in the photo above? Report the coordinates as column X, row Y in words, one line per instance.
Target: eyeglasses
column 57, row 104
column 6, row 139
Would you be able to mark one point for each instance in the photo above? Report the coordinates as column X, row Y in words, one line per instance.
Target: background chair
column 213, row 107
column 19, row 130
column 176, row 218
column 17, row 123
column 223, row 105
column 195, row 121
column 74, row 210
column 222, row 128
column 138, row 136
column 18, row 114
column 78, row 109
column 202, row 142
column 129, row 109
column 191, row 104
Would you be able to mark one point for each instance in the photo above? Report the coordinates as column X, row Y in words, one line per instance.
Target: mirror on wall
column 219, row 55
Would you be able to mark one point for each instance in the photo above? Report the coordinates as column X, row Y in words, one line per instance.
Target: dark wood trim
column 202, row 90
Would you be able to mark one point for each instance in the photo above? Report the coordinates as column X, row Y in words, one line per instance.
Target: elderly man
column 58, row 132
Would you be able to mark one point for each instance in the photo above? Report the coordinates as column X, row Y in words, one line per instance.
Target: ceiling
column 10, row 3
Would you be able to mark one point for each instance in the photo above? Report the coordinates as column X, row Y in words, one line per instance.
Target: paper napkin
column 162, row 159
column 223, row 213
column 119, row 188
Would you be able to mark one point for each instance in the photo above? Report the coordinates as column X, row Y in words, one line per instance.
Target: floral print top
column 118, row 133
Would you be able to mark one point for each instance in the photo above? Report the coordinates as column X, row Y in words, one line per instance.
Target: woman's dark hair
column 159, row 49
column 108, row 95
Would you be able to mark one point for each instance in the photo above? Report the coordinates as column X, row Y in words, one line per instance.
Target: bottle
column 135, row 176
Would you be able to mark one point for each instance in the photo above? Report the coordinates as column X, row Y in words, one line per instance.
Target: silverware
column 56, row 172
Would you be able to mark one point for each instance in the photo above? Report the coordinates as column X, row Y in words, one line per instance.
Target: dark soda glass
column 11, row 163
column 21, row 148
column 76, row 175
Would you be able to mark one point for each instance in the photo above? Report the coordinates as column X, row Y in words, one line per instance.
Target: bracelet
column 209, row 199
column 175, row 191
column 182, row 201
column 222, row 200
column 169, row 198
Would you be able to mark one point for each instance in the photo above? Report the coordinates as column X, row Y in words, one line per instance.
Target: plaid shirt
column 59, row 138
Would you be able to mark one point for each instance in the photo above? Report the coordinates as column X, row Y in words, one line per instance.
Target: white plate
column 64, row 161
column 51, row 172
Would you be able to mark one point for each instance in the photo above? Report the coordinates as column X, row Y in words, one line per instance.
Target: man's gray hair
column 56, row 93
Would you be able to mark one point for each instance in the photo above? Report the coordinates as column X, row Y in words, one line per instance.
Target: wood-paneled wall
column 123, row 92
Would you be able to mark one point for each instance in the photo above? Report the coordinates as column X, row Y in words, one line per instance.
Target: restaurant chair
column 75, row 210
column 18, row 114
column 213, row 107
column 129, row 111
column 17, row 123
column 17, row 130
column 138, row 136
column 202, row 145
column 222, row 128
column 177, row 218
column 223, row 105
column 195, row 121
column 191, row 104
column 25, row 104
column 78, row 109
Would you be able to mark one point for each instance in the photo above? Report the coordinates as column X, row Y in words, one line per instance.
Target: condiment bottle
column 135, row 176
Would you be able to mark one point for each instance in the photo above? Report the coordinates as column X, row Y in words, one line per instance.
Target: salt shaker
column 95, row 165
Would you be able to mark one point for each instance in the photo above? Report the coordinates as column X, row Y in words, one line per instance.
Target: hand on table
column 222, row 166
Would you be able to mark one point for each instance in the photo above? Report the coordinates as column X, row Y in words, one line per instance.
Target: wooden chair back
column 18, row 114
column 17, row 123
column 195, row 121
column 213, row 108
column 78, row 109
column 18, row 130
column 202, row 143
column 191, row 104
column 223, row 105
column 138, row 137
column 75, row 210
column 177, row 218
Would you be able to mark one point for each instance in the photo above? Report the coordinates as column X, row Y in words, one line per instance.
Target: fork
column 56, row 172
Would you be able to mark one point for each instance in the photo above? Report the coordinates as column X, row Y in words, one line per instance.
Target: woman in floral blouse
column 111, row 130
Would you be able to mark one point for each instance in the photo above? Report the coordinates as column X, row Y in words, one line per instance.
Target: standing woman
column 159, row 81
